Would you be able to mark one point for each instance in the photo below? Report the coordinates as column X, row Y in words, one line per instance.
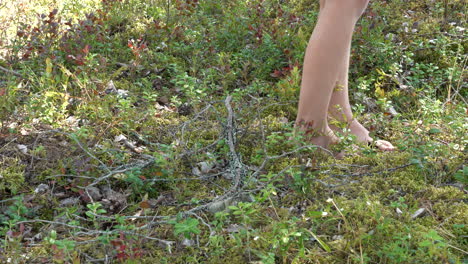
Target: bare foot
column 320, row 137
column 324, row 139
column 362, row 135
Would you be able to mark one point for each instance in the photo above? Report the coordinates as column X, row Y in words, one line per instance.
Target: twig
column 137, row 165
column 236, row 166
column 8, row 143
column 370, row 173
column 11, row 72
column 8, row 200
column 87, row 152
column 97, row 232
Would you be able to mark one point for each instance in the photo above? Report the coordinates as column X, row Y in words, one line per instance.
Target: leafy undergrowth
column 161, row 132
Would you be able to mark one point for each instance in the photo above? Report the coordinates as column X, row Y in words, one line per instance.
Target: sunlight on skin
column 326, row 66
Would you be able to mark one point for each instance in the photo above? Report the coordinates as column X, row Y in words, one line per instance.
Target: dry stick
column 87, row 152
column 371, row 173
column 129, row 168
column 237, row 167
column 8, row 143
column 96, row 232
column 11, row 72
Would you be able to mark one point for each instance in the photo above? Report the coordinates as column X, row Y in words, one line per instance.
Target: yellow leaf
column 379, row 92
column 48, row 67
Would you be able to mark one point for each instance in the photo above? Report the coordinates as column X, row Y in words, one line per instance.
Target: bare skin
column 324, row 88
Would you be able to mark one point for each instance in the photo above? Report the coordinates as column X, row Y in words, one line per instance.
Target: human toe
column 384, row 145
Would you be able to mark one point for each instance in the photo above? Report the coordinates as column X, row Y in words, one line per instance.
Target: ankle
column 311, row 129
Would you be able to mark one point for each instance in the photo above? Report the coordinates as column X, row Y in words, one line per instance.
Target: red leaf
column 53, row 13
column 122, row 247
column 277, row 74
column 86, row 49
column 122, row 256
column 116, row 243
column 2, row 91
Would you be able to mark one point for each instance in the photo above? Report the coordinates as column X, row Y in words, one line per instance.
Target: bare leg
column 340, row 108
column 327, row 47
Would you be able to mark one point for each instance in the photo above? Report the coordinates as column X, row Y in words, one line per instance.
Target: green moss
column 11, row 174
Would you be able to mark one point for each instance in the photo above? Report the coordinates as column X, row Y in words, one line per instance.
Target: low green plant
column 187, row 227
column 14, row 213
column 462, row 175
column 94, row 212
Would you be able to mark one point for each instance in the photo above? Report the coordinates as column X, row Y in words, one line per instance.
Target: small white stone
column 337, row 237
column 22, row 148
column 324, row 214
column 420, row 212
column 41, row 188
column 120, row 138
column 13, row 125
column 188, row 242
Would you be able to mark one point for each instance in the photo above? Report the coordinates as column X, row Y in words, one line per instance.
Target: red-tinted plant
column 137, row 47
column 124, row 250
column 62, row 40
column 186, row 7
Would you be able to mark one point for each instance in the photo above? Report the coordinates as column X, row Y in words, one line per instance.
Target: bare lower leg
column 340, row 108
column 327, row 47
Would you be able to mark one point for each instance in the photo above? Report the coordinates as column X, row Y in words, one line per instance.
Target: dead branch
column 11, row 72
column 237, row 168
column 86, row 231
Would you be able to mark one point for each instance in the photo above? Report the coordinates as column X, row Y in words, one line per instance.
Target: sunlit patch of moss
column 447, row 193
column 11, row 174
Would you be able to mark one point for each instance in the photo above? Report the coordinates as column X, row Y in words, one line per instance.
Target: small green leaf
column 314, row 214
column 323, row 244
column 425, row 243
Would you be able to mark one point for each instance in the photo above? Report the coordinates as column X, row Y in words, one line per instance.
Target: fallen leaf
column 145, row 205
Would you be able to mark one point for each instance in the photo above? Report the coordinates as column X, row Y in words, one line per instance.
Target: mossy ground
column 131, row 101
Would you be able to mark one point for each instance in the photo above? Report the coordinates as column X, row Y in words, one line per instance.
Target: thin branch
column 11, row 72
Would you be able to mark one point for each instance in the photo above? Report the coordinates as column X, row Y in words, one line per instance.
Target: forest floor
column 162, row 132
